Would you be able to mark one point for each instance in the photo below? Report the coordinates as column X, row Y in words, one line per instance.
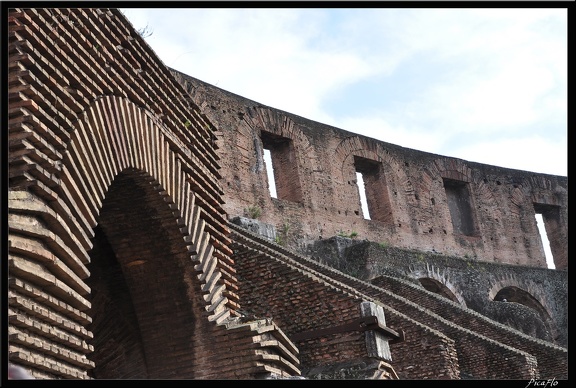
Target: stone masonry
column 143, row 242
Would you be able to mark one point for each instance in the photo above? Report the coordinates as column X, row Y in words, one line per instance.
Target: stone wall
column 417, row 200
column 483, row 348
column 538, row 308
column 122, row 263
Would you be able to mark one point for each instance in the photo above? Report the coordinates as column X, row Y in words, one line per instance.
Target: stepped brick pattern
column 144, row 243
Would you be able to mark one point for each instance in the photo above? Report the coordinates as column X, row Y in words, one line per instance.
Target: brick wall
column 106, row 148
column 123, row 175
column 410, row 190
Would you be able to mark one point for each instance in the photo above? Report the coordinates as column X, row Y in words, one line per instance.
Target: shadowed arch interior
column 435, row 286
column 518, row 295
column 143, row 301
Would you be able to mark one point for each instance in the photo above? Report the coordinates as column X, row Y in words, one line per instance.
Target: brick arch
column 457, row 169
column 484, row 196
column 453, row 169
column 114, row 137
column 142, row 281
column 124, row 138
column 117, row 135
column 369, row 149
column 270, row 120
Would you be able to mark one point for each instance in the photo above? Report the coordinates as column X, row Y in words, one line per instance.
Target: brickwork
column 477, row 339
column 124, row 176
column 325, row 298
column 412, row 209
column 92, row 113
column 473, row 284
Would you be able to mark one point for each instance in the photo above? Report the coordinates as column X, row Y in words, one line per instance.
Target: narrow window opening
column 548, row 220
column 362, row 192
column 458, row 197
column 545, row 241
column 270, row 173
column 373, row 191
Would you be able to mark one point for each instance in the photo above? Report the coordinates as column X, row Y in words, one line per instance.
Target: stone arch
column 510, row 290
column 437, row 280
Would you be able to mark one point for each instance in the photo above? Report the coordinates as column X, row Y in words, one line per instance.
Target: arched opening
column 142, row 287
column 534, row 321
column 436, row 287
column 515, row 294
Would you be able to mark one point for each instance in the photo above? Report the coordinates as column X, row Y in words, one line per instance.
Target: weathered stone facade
column 417, row 200
column 124, row 263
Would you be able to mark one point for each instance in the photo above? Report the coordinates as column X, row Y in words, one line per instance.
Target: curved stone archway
column 522, row 311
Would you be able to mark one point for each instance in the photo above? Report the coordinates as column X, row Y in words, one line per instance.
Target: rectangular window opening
column 458, row 197
column 362, row 192
column 281, row 167
column 548, row 221
column 372, row 189
column 545, row 242
column 270, row 173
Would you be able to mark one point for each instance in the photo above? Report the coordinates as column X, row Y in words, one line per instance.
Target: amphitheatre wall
column 416, row 200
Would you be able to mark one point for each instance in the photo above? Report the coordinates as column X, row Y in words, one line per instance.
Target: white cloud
column 534, row 153
column 427, row 79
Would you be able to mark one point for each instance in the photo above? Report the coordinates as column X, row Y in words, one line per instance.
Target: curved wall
column 418, row 200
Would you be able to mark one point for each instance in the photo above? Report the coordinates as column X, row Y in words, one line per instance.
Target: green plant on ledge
column 253, row 212
column 283, row 237
column 384, row 244
column 351, row 235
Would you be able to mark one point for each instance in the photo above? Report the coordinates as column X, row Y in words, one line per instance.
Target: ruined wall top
column 416, row 199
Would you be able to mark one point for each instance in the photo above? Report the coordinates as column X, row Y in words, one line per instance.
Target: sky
column 486, row 85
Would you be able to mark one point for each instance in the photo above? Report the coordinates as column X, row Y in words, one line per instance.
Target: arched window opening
column 540, row 325
column 518, row 295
